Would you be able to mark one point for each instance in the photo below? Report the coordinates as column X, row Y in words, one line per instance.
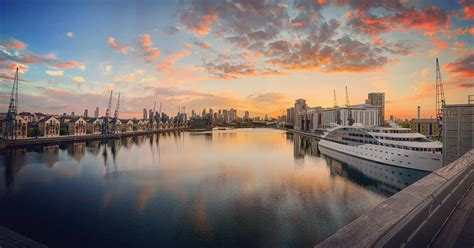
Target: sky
column 250, row 55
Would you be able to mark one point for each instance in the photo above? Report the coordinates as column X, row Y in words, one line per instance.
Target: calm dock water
column 241, row 187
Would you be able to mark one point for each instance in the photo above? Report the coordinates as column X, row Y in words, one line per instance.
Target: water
column 243, row 187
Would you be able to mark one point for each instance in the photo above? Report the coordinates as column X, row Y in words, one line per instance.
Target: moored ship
column 394, row 146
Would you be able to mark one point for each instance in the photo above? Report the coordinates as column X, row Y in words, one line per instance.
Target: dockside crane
column 10, row 129
column 440, row 100
column 105, row 125
column 350, row 120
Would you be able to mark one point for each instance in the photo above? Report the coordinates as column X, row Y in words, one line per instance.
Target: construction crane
column 440, row 100
column 350, row 120
column 10, row 128
column 105, row 125
column 117, row 107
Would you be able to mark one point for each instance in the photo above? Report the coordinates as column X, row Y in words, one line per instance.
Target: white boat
column 394, row 146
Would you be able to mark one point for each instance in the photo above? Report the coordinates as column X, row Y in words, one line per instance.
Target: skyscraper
column 246, row 116
column 300, row 105
column 145, row 114
column 96, row 113
column 86, row 113
column 378, row 99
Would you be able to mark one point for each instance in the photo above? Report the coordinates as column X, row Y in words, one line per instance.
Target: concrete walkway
column 11, row 239
column 459, row 229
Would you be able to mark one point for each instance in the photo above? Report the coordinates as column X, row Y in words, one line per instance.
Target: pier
column 436, row 211
column 76, row 138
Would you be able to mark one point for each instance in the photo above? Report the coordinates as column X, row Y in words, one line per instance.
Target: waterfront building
column 116, row 126
column 426, row 126
column 300, row 108
column 365, row 114
column 128, row 127
column 378, row 99
column 458, row 131
column 77, row 126
column 94, row 125
column 21, row 129
column 27, row 116
column 140, row 125
column 49, row 126
column 290, row 116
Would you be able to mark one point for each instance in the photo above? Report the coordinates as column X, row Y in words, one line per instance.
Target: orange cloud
column 440, row 44
column 69, row 64
column 15, row 44
column 463, row 66
column 147, row 45
column 112, row 43
column 199, row 24
column 468, row 9
column 171, row 59
column 459, row 44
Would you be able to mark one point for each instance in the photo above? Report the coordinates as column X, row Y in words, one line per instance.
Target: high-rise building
column 86, row 113
column 96, row 113
column 232, row 115
column 225, row 116
column 300, row 106
column 145, row 114
column 378, row 99
column 203, row 112
column 246, row 116
column 73, row 114
column 193, row 113
column 458, row 131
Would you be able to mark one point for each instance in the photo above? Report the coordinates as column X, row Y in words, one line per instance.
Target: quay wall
column 75, row 138
column 415, row 215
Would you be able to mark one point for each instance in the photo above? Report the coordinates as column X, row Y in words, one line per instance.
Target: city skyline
column 248, row 55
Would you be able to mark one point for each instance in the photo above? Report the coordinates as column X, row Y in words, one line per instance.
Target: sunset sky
column 251, row 55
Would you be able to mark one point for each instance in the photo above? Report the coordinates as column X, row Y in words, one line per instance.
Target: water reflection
column 381, row 178
column 243, row 187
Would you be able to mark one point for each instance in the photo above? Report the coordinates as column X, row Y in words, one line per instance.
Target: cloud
column 147, row 46
column 466, row 85
column 11, row 67
column 468, row 9
column 118, row 47
column 70, row 64
column 14, row 44
column 171, row 30
column 440, row 44
column 78, row 81
column 202, row 44
column 55, row 73
column 464, row 66
column 398, row 17
column 108, row 69
column 298, row 37
column 69, row 34
column 172, row 58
